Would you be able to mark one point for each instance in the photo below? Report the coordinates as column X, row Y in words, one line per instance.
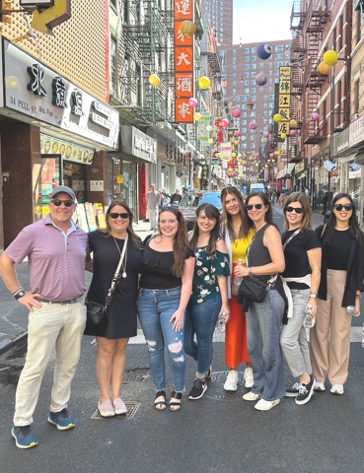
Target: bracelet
column 313, row 296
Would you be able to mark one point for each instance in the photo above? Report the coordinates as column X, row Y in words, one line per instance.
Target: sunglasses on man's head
column 59, row 202
column 115, row 215
column 290, row 209
column 169, row 207
column 256, row 206
column 347, row 207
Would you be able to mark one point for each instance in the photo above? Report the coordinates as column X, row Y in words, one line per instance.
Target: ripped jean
column 155, row 308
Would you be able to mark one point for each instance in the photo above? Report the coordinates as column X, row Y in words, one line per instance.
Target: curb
column 9, row 344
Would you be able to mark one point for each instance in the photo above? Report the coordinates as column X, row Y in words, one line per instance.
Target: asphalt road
column 218, row 433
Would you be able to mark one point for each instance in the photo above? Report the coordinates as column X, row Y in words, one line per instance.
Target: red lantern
column 192, row 102
column 224, row 123
column 235, row 113
column 237, row 133
column 315, row 117
column 253, row 126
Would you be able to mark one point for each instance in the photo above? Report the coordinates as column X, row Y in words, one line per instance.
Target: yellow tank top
column 239, row 247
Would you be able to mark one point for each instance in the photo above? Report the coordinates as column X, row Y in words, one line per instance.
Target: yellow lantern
column 293, row 123
column 277, row 153
column 187, row 28
column 221, row 155
column 233, row 155
column 277, row 117
column 154, row 80
column 204, row 82
column 256, row 164
column 324, row 68
column 197, row 116
column 283, row 136
column 210, row 141
column 331, row 57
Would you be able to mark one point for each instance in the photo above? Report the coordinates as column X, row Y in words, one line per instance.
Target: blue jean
column 155, row 308
column 263, row 321
column 294, row 337
column 201, row 321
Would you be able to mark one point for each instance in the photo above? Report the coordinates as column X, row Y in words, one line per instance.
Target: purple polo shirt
column 56, row 260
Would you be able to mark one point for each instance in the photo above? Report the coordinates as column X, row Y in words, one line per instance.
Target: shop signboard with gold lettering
column 284, row 99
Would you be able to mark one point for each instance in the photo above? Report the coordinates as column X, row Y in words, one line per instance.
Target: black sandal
column 175, row 403
column 160, row 405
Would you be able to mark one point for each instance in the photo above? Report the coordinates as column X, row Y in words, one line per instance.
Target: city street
column 218, row 433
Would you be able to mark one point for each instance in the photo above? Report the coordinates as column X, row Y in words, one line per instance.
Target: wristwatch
column 19, row 294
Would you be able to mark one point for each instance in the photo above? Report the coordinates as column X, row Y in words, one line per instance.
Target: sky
column 261, row 20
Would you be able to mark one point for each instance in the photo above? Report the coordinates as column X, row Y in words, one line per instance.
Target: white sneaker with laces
column 337, row 389
column 248, row 376
column 250, row 396
column 264, row 405
column 231, row 383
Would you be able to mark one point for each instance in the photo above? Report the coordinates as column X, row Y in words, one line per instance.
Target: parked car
column 192, row 200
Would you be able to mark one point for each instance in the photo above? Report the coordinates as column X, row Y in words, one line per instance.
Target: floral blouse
column 207, row 268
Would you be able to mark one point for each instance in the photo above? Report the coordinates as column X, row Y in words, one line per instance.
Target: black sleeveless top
column 258, row 253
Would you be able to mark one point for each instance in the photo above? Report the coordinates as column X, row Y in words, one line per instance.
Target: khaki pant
column 58, row 326
column 330, row 337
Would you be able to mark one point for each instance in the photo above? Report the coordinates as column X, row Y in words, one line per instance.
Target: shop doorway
column 50, row 177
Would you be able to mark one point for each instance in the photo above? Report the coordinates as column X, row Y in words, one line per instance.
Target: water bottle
column 238, row 279
column 350, row 309
column 309, row 322
column 221, row 322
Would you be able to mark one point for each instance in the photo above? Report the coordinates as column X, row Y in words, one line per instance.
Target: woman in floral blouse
column 209, row 294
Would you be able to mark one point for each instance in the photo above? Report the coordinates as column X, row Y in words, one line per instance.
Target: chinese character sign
column 284, row 99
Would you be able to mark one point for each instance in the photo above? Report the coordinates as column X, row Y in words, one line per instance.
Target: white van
column 256, row 187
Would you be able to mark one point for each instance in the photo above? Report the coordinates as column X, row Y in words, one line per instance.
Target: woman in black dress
column 112, row 337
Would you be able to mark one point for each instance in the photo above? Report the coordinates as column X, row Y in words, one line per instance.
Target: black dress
column 122, row 310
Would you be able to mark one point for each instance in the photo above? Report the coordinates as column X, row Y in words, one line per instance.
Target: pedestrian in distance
column 302, row 254
column 176, row 197
column 265, row 258
column 153, row 202
column 238, row 234
column 56, row 249
column 165, row 289
column 112, row 336
column 209, row 293
column 341, row 285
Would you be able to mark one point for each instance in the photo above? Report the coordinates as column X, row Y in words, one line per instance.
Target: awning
column 281, row 173
column 286, row 171
column 290, row 167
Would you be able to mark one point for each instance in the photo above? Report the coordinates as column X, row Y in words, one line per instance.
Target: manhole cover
column 139, row 374
column 132, row 407
column 216, row 387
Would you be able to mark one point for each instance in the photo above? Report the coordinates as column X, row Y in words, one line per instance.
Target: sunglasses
column 169, row 207
column 290, row 209
column 115, row 215
column 58, row 202
column 347, row 207
column 256, row 206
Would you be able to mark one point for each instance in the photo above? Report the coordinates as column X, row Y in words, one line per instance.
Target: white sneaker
column 231, row 383
column 119, row 406
column 106, row 408
column 250, row 396
column 319, row 386
column 248, row 376
column 264, row 405
column 337, row 389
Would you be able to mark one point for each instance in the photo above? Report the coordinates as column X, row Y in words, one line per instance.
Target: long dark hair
column 211, row 212
column 180, row 243
column 133, row 236
column 353, row 222
column 268, row 216
column 227, row 219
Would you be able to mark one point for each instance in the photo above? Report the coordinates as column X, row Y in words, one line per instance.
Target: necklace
column 123, row 264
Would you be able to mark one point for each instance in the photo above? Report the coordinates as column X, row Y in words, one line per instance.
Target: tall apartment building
column 241, row 65
column 220, row 13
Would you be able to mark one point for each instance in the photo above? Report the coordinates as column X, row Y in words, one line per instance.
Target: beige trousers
column 330, row 337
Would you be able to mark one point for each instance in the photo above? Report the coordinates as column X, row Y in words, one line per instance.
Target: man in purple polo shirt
column 56, row 250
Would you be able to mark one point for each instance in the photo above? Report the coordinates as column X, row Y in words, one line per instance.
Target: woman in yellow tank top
column 238, row 235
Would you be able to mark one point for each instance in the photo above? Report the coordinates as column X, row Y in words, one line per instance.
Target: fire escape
column 145, row 46
column 312, row 33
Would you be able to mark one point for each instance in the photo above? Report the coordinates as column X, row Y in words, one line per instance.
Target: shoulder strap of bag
column 291, row 238
column 116, row 277
column 323, row 231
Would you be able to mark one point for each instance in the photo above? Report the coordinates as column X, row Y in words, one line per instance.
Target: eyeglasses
column 115, row 215
column 256, row 206
column 58, row 202
column 290, row 209
column 347, row 207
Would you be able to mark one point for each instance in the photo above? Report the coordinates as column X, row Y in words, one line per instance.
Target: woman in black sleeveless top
column 263, row 319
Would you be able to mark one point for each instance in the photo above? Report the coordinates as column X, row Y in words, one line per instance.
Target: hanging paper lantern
column 250, row 104
column 253, row 126
column 266, row 165
column 293, row 132
column 331, row 57
column 237, row 133
column 154, row 80
column 235, row 113
column 266, row 134
column 187, row 28
column 283, row 136
column 271, row 155
column 210, row 141
column 315, row 117
column 197, row 116
column 293, row 123
column 256, row 155
column 273, row 160
column 277, row 153
column 264, row 140
column 261, row 79
column 233, row 155
column 277, row 117
column 209, row 128
column 224, row 84
column 324, row 68
column 264, row 51
column 204, row 82
column 192, row 102
column 256, row 164
column 221, row 155
column 224, row 123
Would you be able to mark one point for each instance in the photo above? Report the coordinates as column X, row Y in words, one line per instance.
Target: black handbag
column 253, row 289
column 97, row 314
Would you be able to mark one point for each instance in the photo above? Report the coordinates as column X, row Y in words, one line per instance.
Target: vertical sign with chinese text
column 284, row 99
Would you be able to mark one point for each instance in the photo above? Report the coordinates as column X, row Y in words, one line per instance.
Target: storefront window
column 74, row 177
column 50, row 177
